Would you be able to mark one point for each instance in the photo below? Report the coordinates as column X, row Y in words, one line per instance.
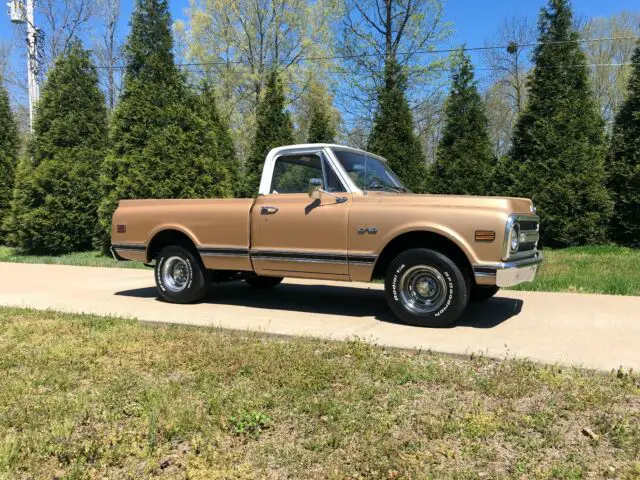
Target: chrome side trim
column 223, row 252
column 361, row 259
column 307, row 257
column 129, row 247
column 298, row 260
column 277, row 255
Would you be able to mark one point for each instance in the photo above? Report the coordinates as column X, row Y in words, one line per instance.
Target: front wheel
column 426, row 288
column 180, row 276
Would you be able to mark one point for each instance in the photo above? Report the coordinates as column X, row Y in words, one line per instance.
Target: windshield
column 369, row 173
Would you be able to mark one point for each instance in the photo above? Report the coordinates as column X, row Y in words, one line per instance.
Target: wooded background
column 548, row 108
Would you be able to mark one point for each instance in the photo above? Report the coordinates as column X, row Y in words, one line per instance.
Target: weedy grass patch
column 89, row 397
column 82, row 259
column 599, row 269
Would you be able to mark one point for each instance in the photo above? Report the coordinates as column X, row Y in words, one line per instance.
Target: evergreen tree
column 393, row 136
column 624, row 163
column 221, row 137
column 557, row 158
column 273, row 129
column 9, row 143
column 464, row 159
column 321, row 124
column 54, row 207
column 160, row 144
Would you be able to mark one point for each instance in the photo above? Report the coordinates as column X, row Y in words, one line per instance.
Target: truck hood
column 504, row 204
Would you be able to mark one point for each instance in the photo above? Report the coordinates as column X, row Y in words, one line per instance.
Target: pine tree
column 160, row 147
column 9, row 144
column 393, row 136
column 464, row 159
column 557, row 158
column 54, row 207
column 273, row 129
column 624, row 163
column 221, row 137
column 321, row 130
column 321, row 124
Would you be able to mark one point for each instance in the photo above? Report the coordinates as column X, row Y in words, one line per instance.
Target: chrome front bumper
column 508, row 274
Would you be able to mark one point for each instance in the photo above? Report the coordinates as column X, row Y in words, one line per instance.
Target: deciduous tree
column 610, row 71
column 378, row 34
column 509, row 67
column 238, row 42
column 108, row 51
column 64, row 21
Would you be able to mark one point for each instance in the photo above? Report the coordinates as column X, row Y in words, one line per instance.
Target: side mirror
column 315, row 188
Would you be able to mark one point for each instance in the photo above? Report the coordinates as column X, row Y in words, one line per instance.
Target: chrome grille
column 528, row 225
column 528, row 236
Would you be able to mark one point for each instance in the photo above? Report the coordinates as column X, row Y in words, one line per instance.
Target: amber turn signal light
column 485, row 235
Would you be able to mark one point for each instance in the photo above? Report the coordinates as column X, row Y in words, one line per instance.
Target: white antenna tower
column 20, row 13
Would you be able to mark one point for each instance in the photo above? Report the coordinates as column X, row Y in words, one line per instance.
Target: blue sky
column 476, row 20
column 473, row 20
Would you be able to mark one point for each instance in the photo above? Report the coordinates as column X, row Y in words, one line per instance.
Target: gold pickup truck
column 336, row 213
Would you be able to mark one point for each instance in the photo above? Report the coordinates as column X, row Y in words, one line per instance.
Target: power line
column 421, row 52
column 442, row 69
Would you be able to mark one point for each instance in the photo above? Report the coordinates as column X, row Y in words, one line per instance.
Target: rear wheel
column 481, row 293
column 180, row 276
column 426, row 288
column 263, row 282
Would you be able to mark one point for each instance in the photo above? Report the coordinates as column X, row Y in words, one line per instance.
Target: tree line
column 167, row 138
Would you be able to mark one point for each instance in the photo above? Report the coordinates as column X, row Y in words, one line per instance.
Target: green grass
column 604, row 269
column 84, row 259
column 89, row 397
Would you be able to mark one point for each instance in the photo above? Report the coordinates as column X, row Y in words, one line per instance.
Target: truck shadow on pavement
column 337, row 300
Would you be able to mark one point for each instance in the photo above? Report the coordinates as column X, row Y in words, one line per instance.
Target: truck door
column 294, row 234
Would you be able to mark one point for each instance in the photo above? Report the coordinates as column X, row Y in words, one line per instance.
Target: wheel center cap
column 179, row 273
column 424, row 288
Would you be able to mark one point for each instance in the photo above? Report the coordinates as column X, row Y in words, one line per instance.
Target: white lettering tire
column 426, row 288
column 180, row 276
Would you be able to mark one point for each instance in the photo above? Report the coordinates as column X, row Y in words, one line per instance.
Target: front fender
column 435, row 228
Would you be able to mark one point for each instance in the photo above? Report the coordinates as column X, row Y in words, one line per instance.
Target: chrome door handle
column 268, row 210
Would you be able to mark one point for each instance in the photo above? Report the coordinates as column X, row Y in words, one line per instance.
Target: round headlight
column 514, row 238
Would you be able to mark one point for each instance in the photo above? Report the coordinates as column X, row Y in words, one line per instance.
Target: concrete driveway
column 596, row 331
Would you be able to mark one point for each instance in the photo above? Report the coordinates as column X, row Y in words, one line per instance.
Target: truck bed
column 218, row 227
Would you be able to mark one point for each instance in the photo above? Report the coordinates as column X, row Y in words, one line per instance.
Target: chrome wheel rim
column 175, row 274
column 423, row 289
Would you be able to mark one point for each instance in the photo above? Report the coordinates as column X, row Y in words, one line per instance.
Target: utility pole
column 32, row 63
column 23, row 13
